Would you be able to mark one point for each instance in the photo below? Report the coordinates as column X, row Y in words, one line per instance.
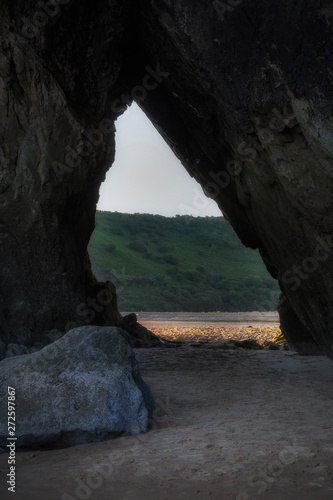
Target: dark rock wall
column 243, row 96
column 256, row 87
column 57, row 142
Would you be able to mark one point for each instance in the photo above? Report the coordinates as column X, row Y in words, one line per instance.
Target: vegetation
column 182, row 263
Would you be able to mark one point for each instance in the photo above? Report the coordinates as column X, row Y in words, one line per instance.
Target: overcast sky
column 146, row 177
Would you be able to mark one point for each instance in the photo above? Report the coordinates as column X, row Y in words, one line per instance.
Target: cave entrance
column 162, row 242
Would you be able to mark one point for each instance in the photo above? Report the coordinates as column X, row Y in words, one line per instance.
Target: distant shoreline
column 211, row 317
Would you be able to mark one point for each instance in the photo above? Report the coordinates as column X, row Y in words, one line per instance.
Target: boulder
column 85, row 387
column 248, row 344
column 140, row 335
column 16, row 350
column 36, row 347
column 52, row 336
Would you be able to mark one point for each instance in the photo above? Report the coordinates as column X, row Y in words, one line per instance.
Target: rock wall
column 57, row 142
column 242, row 92
column 247, row 106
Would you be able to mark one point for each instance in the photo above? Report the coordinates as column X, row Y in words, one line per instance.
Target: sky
column 146, row 176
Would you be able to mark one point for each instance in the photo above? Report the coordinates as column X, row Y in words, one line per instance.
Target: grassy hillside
column 178, row 264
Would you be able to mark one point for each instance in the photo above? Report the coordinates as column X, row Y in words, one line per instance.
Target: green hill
column 179, row 264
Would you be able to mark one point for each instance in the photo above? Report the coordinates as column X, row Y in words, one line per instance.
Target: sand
column 212, row 327
column 239, row 424
column 212, row 332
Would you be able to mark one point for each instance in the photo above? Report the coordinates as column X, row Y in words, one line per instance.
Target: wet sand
column 230, row 425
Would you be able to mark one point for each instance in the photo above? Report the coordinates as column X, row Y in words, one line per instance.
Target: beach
column 213, row 327
column 229, row 424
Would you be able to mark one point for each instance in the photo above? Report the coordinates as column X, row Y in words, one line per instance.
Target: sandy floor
column 238, row 425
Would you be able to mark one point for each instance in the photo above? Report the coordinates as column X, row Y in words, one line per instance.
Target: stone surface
column 36, row 347
column 84, row 387
column 254, row 128
column 243, row 97
column 297, row 334
column 54, row 152
column 15, row 350
column 140, row 336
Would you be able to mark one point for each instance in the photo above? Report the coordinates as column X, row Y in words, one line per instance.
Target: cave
column 242, row 95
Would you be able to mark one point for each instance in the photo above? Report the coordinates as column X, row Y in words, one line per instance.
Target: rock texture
column 84, row 387
column 56, row 140
column 242, row 92
column 250, row 90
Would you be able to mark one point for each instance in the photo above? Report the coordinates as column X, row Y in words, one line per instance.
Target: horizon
column 165, row 216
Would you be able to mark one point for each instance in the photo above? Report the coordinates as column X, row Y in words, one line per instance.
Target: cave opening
column 162, row 241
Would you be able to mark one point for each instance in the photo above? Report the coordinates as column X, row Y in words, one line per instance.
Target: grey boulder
column 85, row 387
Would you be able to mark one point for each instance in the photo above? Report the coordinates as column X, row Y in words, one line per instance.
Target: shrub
column 164, row 248
column 192, row 274
column 111, row 247
column 172, row 270
column 171, row 259
column 138, row 246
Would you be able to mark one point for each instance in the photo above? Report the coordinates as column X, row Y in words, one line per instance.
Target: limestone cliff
column 241, row 90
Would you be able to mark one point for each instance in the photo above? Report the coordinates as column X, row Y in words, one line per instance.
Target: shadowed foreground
column 229, row 424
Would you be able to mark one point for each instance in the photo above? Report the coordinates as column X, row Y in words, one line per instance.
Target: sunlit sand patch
column 216, row 333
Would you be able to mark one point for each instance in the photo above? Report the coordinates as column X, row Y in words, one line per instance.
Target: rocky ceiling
column 240, row 89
